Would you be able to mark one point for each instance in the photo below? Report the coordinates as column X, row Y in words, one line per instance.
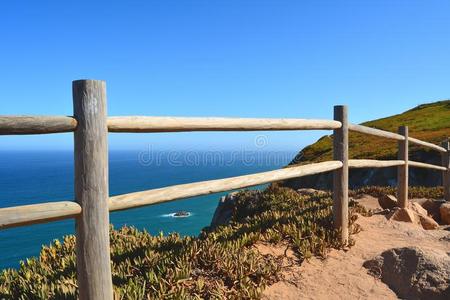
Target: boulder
column 417, row 208
column 388, row 201
column 428, row 223
column 413, row 273
column 444, row 211
column 403, row 215
column 415, row 214
column 432, row 207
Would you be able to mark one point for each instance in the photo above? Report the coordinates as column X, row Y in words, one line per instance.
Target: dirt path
column 342, row 276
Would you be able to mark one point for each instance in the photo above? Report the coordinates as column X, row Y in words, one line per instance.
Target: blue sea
column 28, row 177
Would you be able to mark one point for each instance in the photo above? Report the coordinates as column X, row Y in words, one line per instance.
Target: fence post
column 91, row 190
column 446, row 174
column 402, row 171
column 340, row 176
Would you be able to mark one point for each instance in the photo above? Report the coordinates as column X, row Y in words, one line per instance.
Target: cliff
column 428, row 122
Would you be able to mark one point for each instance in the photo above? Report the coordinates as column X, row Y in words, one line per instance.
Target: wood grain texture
column 91, row 190
column 425, row 165
column 376, row 132
column 426, row 144
column 340, row 176
column 45, row 212
column 12, row 125
column 177, row 124
column 37, row 213
column 402, row 171
column 373, row 163
column 175, row 192
column 446, row 172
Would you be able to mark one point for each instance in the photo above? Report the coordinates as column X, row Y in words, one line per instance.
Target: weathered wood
column 51, row 211
column 10, row 125
column 177, row 124
column 376, row 132
column 402, row 171
column 426, row 144
column 91, row 190
column 373, row 163
column 175, row 192
column 37, row 213
column 446, row 173
column 425, row 165
column 340, row 176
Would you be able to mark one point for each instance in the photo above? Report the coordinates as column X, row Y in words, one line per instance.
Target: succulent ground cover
column 413, row 192
column 219, row 263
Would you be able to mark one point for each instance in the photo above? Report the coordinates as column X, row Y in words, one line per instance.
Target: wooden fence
column 92, row 204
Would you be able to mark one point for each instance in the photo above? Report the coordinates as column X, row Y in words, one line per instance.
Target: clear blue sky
column 222, row 58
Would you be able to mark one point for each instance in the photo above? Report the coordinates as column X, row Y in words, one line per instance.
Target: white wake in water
column 175, row 215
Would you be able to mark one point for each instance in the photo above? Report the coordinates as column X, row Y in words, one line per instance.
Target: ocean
column 28, row 177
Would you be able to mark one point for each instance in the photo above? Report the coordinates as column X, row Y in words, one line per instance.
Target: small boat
column 181, row 214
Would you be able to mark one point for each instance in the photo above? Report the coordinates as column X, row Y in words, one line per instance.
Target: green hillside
column 428, row 122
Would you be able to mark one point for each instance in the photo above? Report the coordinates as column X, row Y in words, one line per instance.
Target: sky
column 274, row 59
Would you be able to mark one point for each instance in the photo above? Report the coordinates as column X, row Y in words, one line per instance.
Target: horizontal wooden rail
column 37, row 213
column 178, row 124
column 175, row 192
column 426, row 144
column 395, row 136
column 12, row 125
column 45, row 212
column 376, row 132
column 51, row 211
column 373, row 163
column 36, row 124
column 16, row 125
column 425, row 165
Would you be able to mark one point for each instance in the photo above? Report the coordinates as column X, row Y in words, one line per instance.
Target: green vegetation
column 413, row 192
column 220, row 263
column 223, row 262
column 428, row 122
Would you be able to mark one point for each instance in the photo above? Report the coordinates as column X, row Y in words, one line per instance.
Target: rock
column 413, row 273
column 224, row 210
column 428, row 223
column 182, row 214
column 421, row 201
column 422, row 214
column 417, row 208
column 403, row 215
column 388, row 201
column 415, row 214
column 432, row 207
column 444, row 211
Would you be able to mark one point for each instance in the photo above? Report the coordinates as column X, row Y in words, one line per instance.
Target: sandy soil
column 341, row 275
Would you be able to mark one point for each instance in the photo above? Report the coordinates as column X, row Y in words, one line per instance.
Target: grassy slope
column 428, row 122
